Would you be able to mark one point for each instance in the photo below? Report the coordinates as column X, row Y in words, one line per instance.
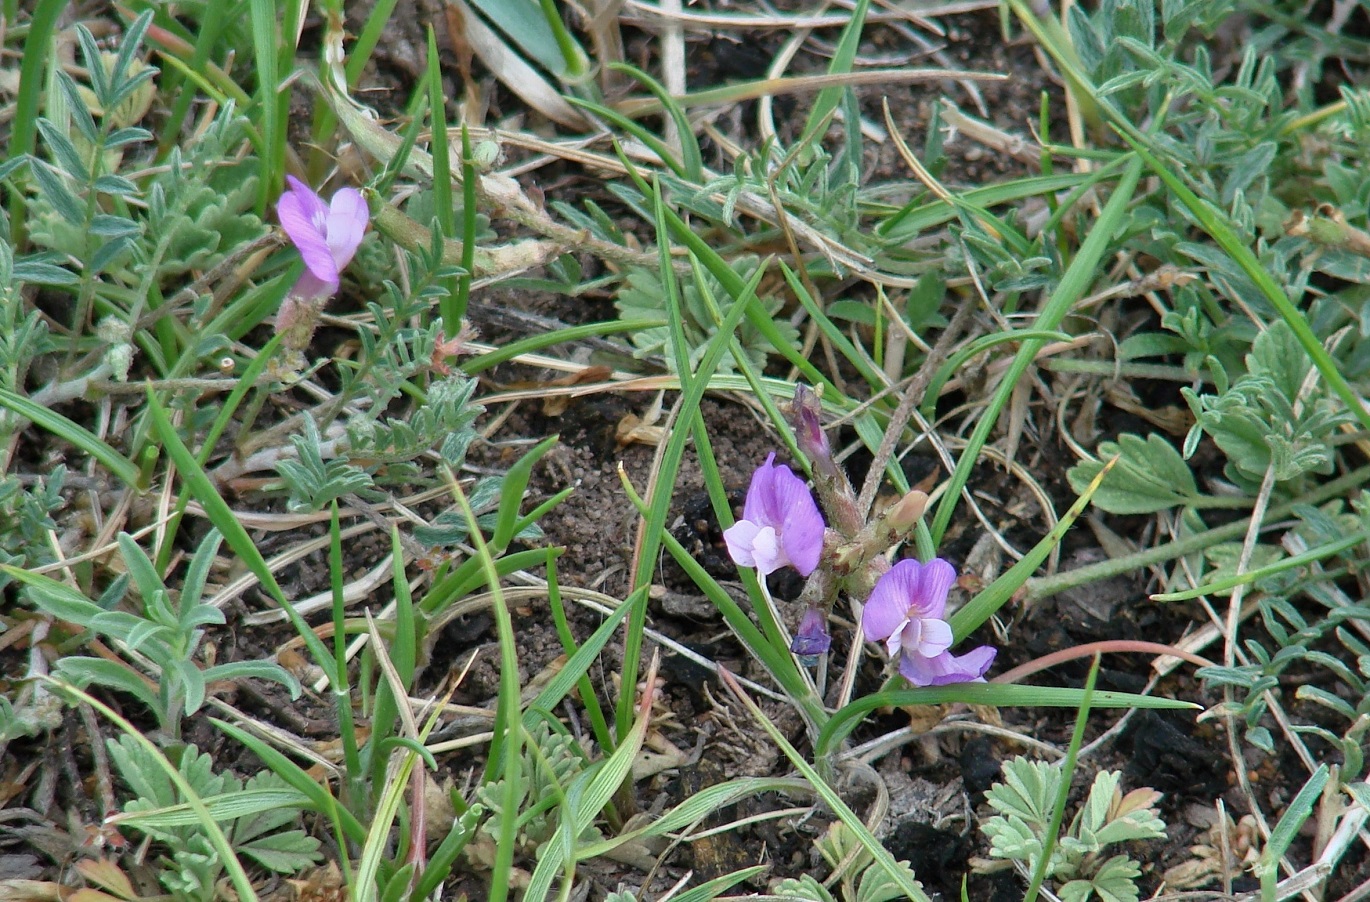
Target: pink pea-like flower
column 327, row 235
column 905, row 612
column 780, row 524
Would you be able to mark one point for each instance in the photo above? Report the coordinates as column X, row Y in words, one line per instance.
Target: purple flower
column 780, row 523
column 327, row 236
column 812, row 640
column 905, row 612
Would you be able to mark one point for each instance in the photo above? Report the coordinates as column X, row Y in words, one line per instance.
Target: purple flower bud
column 327, row 236
column 806, row 410
column 780, row 524
column 905, row 612
column 812, row 641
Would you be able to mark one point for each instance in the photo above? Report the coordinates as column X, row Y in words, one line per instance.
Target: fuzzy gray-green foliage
column 642, row 300
column 166, row 629
column 194, row 867
column 550, row 762
column 1025, row 801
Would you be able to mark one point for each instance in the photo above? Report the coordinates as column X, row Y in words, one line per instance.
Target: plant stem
column 1047, row 586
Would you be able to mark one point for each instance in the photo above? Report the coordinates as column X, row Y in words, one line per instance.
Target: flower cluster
column 782, row 526
column 905, row 612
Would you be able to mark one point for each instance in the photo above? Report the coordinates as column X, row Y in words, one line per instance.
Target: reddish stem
column 1091, row 648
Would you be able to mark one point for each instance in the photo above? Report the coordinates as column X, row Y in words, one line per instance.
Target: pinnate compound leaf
column 1011, row 837
column 1028, row 791
column 313, row 482
column 1133, row 820
column 1094, row 815
column 1150, row 476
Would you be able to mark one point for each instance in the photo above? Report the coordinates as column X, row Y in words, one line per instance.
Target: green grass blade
column 1074, row 283
column 956, row 361
column 996, row 694
column 899, row 875
column 587, row 795
column 691, row 160
column 637, row 130
column 598, row 724
column 242, row 885
column 246, row 382
column 211, row 27
column 1058, row 811
column 1250, row 577
column 534, row 343
column 917, row 218
column 229, row 806
column 442, row 183
column 32, row 82
column 269, row 105
column 469, row 177
column 505, row 747
column 69, row 431
column 996, row 594
column 1046, row 586
column 825, row 104
column 366, row 42
column 222, row 516
column 698, row 806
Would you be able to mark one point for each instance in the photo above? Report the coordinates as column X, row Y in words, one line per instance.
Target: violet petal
column 304, row 217
column 739, row 538
column 347, row 219
column 946, row 668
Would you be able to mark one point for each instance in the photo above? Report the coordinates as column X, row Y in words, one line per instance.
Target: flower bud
column 805, row 411
column 812, row 640
column 486, row 155
column 120, row 359
column 904, row 514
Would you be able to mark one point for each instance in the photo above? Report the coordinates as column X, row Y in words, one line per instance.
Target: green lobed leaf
column 1150, row 476
column 877, row 885
column 285, row 853
column 1115, row 880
